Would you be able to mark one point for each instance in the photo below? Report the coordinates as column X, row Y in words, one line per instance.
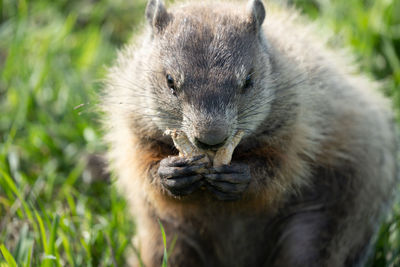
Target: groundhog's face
column 209, row 70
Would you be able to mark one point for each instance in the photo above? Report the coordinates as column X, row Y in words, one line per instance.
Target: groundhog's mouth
column 208, row 147
column 219, row 156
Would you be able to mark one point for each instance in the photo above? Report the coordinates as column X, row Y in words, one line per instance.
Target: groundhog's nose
column 211, row 139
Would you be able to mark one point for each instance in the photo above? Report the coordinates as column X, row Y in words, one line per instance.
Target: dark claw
column 182, row 182
column 180, row 161
column 182, row 176
column 174, row 172
column 233, row 178
column 228, row 182
column 182, row 186
column 234, row 168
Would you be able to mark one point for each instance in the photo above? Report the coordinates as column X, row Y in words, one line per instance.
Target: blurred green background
column 53, row 57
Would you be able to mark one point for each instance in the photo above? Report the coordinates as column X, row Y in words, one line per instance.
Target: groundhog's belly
column 223, row 240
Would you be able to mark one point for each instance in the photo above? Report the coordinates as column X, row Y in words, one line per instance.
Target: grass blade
column 7, row 256
column 164, row 238
column 42, row 231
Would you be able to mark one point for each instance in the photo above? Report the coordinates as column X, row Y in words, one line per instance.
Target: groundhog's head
column 209, row 69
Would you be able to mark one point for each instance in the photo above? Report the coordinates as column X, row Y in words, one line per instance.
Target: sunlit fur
column 319, row 138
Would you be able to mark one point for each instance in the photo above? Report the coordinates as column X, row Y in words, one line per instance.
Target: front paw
column 228, row 182
column 182, row 176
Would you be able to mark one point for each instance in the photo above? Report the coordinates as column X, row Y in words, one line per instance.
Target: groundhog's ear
column 157, row 14
column 256, row 13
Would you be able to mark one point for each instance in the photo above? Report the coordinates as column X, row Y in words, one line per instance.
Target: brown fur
column 320, row 141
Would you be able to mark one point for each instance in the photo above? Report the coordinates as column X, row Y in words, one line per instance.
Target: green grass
column 52, row 60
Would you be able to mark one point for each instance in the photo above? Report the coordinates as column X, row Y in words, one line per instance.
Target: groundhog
column 315, row 169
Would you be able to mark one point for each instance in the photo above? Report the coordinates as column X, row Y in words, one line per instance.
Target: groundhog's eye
column 171, row 84
column 248, row 83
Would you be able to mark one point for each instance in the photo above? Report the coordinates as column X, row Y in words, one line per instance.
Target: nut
column 186, row 149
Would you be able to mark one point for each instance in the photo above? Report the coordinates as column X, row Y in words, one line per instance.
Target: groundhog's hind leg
column 300, row 243
column 308, row 244
column 327, row 227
